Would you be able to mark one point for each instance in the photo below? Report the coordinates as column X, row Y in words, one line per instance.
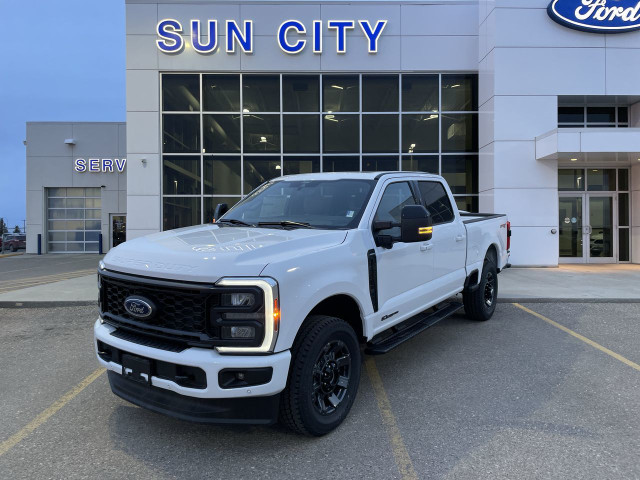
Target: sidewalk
column 584, row 283
column 567, row 283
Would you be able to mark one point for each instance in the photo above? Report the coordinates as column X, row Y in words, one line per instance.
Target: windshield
column 326, row 204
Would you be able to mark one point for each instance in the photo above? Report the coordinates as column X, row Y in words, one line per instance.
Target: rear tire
column 13, row 248
column 479, row 304
column 323, row 377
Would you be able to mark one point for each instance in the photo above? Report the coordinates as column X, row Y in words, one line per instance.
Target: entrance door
column 587, row 224
column 118, row 229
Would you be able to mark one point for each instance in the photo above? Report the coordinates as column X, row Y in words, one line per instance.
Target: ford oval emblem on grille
column 139, row 307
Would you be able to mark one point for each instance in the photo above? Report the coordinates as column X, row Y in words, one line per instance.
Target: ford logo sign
column 600, row 16
column 139, row 307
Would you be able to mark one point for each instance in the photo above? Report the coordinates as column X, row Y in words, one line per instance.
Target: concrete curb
column 51, row 304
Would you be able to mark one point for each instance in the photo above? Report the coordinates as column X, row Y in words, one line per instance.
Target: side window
column 396, row 196
column 437, row 202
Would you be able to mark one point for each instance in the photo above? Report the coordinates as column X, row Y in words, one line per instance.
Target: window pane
column 261, row 93
column 420, row 163
column 221, row 93
column 181, row 93
column 57, row 225
column 460, row 133
column 380, row 93
column 341, row 134
column 301, row 133
column 75, row 192
column 56, row 202
column 301, row 93
column 380, row 133
column 601, row 179
column 210, row 204
column 571, row 179
column 91, row 203
column 261, row 133
column 180, row 212
column 221, row 133
column 57, row 213
column 340, row 164
column 468, row 203
column 181, row 175
column 379, row 164
column 340, row 93
column 75, row 203
column 623, row 114
column 623, row 179
column 420, row 133
column 420, row 93
column 57, row 237
column 394, row 198
column 92, row 236
column 91, row 224
column 92, row 213
column 258, row 170
column 75, row 236
column 601, row 114
column 222, row 175
column 181, row 133
column 57, row 192
column 461, row 173
column 623, row 245
column 459, row 93
column 57, row 247
column 75, row 247
column 623, row 209
column 437, row 201
column 91, row 247
column 73, row 214
column 294, row 165
column 571, row 115
column 92, row 192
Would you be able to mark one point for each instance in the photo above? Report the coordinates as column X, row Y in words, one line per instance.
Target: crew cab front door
column 404, row 270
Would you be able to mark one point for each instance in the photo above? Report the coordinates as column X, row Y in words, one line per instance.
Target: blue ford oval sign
column 139, row 307
column 600, row 16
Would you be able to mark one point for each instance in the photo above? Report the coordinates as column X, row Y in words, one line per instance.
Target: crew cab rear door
column 449, row 238
column 405, row 270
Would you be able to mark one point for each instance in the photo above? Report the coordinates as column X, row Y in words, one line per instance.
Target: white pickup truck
column 262, row 315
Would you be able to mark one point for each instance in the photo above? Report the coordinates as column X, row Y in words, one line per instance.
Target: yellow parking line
column 16, row 438
column 400, row 453
column 611, row 353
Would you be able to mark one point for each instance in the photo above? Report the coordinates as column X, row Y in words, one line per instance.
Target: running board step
column 410, row 328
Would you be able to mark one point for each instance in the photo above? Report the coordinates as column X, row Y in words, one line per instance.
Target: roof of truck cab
column 353, row 175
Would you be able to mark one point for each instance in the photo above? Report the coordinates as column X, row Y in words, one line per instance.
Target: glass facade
column 593, row 116
column 225, row 134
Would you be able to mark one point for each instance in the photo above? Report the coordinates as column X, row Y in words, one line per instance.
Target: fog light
column 238, row 332
column 238, row 299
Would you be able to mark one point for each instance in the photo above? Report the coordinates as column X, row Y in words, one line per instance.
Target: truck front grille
column 181, row 308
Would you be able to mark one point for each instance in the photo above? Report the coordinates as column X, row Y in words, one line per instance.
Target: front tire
column 323, row 377
column 479, row 304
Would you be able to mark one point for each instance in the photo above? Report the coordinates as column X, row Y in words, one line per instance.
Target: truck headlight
column 247, row 317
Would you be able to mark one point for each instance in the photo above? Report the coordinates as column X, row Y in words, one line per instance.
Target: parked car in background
column 15, row 242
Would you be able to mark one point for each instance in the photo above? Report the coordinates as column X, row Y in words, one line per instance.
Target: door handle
column 426, row 246
column 459, row 238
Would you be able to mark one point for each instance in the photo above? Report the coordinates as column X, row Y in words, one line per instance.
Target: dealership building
column 525, row 108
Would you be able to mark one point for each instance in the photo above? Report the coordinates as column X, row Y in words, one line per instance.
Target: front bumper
column 209, row 360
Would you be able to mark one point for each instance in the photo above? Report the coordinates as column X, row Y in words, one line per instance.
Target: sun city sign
column 291, row 35
column 100, row 165
column 600, row 16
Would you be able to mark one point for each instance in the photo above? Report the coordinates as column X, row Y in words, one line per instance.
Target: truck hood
column 209, row 252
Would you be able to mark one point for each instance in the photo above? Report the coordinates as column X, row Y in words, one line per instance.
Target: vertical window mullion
column 281, row 128
column 201, row 153
column 321, row 108
column 360, row 119
column 439, row 124
column 241, row 80
column 400, row 77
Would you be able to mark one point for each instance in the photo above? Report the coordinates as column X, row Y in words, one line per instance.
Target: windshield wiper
column 285, row 223
column 234, row 221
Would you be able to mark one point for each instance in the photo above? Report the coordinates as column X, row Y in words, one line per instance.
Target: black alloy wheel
column 331, row 377
column 323, row 377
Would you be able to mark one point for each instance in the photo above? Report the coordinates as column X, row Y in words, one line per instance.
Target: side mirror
column 220, row 210
column 416, row 224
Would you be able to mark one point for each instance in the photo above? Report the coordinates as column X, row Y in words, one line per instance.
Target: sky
column 60, row 60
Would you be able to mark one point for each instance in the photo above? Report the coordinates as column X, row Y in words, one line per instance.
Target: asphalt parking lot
column 515, row 397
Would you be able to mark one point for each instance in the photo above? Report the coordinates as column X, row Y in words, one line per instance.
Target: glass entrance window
column 570, row 223
column 601, row 223
column 223, row 134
